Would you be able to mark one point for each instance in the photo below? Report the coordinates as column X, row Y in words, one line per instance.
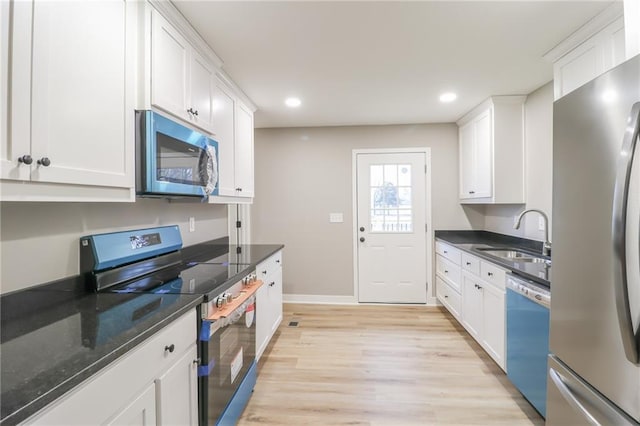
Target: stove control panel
column 221, row 302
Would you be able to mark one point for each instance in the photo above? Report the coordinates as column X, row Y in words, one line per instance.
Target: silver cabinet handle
column 619, row 227
column 570, row 397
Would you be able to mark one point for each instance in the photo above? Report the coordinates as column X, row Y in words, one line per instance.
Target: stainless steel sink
column 515, row 255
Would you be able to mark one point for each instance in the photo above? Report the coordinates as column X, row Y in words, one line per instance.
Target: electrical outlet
column 541, row 223
column 192, row 224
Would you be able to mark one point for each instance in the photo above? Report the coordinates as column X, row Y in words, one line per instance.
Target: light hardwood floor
column 380, row 365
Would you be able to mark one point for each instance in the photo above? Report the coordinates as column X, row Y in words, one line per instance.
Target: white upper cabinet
column 233, row 128
column 181, row 79
column 69, row 119
column 594, row 49
column 491, row 150
column 224, row 107
column 187, row 82
column 244, row 151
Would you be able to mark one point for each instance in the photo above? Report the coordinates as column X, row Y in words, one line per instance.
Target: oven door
column 231, row 352
column 173, row 159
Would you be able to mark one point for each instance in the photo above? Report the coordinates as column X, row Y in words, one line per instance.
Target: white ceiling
column 383, row 62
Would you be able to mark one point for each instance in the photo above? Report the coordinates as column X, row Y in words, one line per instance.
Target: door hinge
column 238, row 224
column 426, row 228
column 425, row 169
column 238, row 250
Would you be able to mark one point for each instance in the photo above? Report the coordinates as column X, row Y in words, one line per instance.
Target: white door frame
column 431, row 295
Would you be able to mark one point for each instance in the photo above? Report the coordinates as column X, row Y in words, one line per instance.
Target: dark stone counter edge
column 465, row 240
column 68, row 384
column 91, row 369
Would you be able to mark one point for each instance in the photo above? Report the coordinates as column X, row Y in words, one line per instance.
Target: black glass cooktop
column 208, row 279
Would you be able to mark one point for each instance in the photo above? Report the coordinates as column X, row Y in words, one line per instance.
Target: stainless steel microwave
column 173, row 160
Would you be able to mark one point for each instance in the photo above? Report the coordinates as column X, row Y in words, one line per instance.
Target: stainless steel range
column 150, row 261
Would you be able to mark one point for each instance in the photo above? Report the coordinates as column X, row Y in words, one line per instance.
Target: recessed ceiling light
column 292, row 102
column 448, row 97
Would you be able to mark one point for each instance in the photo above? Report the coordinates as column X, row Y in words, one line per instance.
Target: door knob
column 362, row 239
column 362, row 229
column 44, row 161
column 26, row 159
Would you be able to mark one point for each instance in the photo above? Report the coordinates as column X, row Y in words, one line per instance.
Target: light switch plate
column 336, row 218
column 192, row 224
column 541, row 223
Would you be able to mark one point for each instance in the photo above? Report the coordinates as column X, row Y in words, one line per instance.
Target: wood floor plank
column 380, row 365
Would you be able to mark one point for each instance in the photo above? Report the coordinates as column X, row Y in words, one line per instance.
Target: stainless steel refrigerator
column 594, row 371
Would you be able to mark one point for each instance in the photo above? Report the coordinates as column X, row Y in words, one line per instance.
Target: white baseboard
column 340, row 300
column 319, row 299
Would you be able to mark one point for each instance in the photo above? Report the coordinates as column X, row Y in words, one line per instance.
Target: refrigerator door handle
column 630, row 337
column 571, row 398
column 594, row 408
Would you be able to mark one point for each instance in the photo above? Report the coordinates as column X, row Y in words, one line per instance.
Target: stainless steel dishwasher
column 528, row 339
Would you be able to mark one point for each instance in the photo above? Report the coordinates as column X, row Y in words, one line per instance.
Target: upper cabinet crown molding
column 224, row 77
column 173, row 15
column 591, row 28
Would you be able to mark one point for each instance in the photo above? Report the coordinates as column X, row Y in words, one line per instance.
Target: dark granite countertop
column 56, row 335
column 474, row 241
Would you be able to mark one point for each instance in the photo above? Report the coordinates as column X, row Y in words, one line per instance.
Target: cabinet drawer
column 269, row 266
column 449, row 271
column 492, row 274
column 471, row 263
column 451, row 253
column 448, row 297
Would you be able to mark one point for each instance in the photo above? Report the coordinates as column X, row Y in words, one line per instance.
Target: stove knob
column 220, row 301
column 229, row 297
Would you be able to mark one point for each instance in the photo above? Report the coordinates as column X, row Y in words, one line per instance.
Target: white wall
column 538, row 170
column 303, row 174
column 39, row 241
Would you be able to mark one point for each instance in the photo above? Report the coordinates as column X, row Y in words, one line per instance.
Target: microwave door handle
column 630, row 337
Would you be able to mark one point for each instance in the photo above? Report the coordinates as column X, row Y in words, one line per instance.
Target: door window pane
column 391, row 202
column 377, row 176
column 404, row 175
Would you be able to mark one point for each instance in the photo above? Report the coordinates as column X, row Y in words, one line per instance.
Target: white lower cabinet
column 269, row 301
column 473, row 290
column 493, row 323
column 472, row 305
column 154, row 384
column 177, row 391
column 483, row 313
column 141, row 412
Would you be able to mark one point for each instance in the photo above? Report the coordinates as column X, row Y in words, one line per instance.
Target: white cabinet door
column 592, row 57
column 224, row 129
column 15, row 140
column 472, row 305
column 201, row 92
column 244, row 151
column 269, row 301
column 493, row 326
column 141, row 412
column 275, row 299
column 81, row 127
column 263, row 319
column 483, row 179
column 170, row 55
column 177, row 391
column 467, row 166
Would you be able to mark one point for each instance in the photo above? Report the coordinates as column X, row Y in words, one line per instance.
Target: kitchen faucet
column 546, row 246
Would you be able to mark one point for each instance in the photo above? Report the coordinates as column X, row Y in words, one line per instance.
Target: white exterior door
column 391, row 227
